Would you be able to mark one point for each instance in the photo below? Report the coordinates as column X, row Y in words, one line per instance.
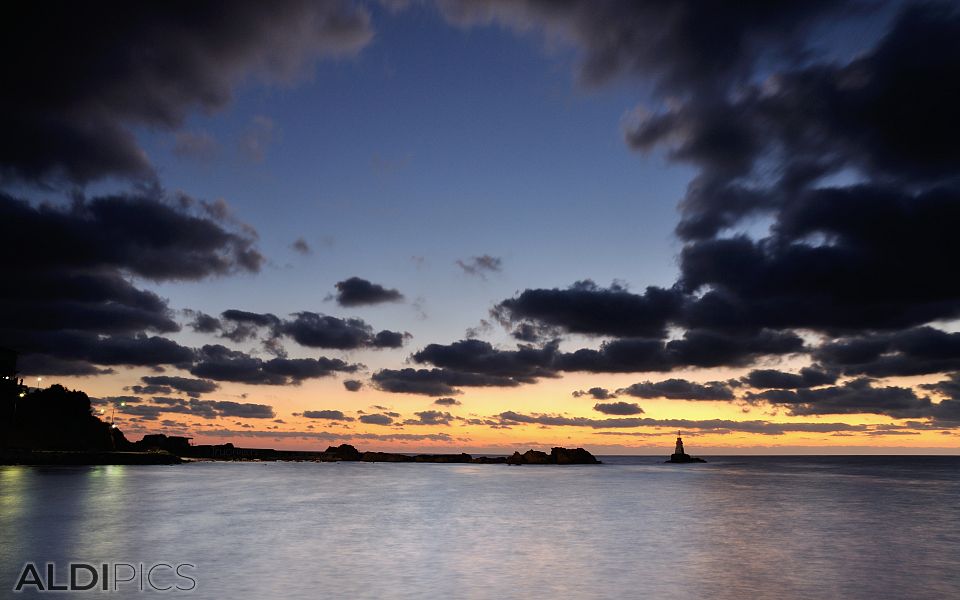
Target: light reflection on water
column 784, row 528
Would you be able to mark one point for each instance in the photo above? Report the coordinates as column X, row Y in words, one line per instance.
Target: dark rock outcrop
column 575, row 456
column 341, row 452
column 557, row 456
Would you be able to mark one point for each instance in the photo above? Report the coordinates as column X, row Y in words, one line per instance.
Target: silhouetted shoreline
column 230, row 453
column 56, row 426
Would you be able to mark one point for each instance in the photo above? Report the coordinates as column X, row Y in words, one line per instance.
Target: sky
column 489, row 225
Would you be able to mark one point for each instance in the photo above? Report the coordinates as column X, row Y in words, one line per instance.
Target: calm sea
column 737, row 527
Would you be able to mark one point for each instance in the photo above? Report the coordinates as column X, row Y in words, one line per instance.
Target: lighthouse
column 680, row 456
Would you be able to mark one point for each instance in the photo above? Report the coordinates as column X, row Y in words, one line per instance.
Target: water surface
column 737, row 527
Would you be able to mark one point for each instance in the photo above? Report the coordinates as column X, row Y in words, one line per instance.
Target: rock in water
column 341, row 452
column 516, row 459
column 557, row 456
column 577, row 456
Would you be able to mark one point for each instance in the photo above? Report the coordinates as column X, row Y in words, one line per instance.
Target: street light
column 114, row 412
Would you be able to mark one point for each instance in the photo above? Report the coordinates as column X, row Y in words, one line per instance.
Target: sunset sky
column 490, row 225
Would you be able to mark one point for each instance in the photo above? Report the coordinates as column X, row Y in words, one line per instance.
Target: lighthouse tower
column 679, row 454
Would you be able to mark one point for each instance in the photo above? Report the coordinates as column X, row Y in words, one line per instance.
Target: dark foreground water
column 752, row 528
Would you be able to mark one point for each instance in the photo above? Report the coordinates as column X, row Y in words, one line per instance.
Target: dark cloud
column 74, row 304
column 477, row 363
column 117, row 400
column 531, row 332
column 949, row 387
column 679, row 389
column 640, row 321
column 310, row 329
column 435, row 382
column 524, row 365
column 480, row 266
column 479, row 330
column 852, row 161
column 207, row 409
column 138, row 350
column 226, row 408
column 86, row 81
column 947, row 413
column 697, row 348
column 853, row 397
column 360, row 292
column 146, row 412
column 352, row 385
column 681, row 45
column 166, row 404
column 201, row 322
column 840, row 258
column 447, row 402
column 331, row 415
column 148, row 235
column 298, row 369
column 44, row 364
column 315, row 330
column 151, row 390
column 300, row 246
column 431, row 417
column 916, row 351
column 858, row 281
column 332, row 435
column 597, row 393
column 241, row 325
column 376, row 419
column 618, row 408
column 192, row 387
column 820, row 119
column 771, row 378
column 709, row 425
column 78, row 351
column 586, row 308
column 390, row 339
column 223, row 364
column 89, row 243
column 468, row 363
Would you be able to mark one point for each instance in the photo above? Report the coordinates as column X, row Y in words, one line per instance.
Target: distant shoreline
column 229, row 453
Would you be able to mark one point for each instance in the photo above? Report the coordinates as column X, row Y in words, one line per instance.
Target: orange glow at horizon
column 549, row 396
